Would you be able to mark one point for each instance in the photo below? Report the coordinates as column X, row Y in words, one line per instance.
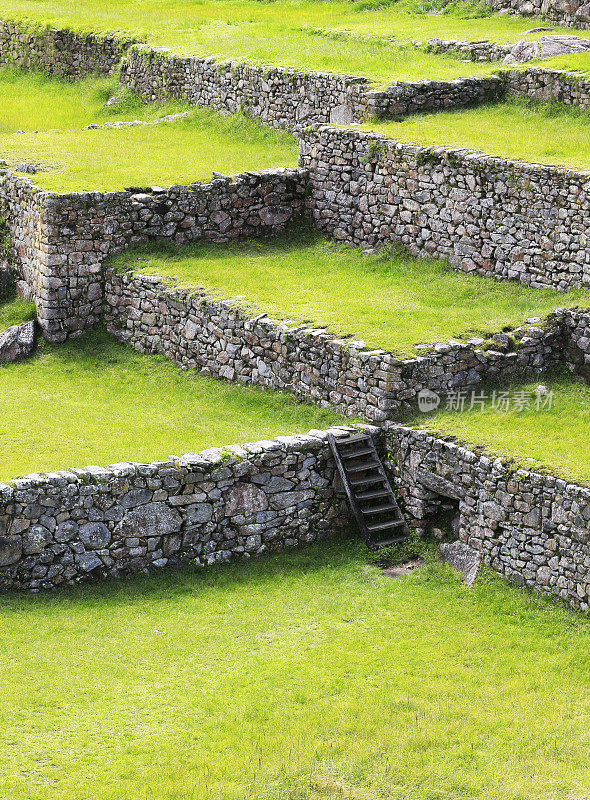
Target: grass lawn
column 110, row 404
column 34, row 102
column 336, row 36
column 389, row 300
column 306, row 675
column 555, row 438
column 179, row 152
column 15, row 311
column 541, row 133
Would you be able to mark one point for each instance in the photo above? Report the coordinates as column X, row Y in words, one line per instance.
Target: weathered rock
column 95, row 535
column 17, row 342
column 546, row 47
column 11, row 548
column 462, row 558
column 153, row 519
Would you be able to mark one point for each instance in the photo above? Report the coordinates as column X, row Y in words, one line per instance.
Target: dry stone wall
column 61, row 53
column 533, row 529
column 203, row 508
column 575, row 13
column 60, row 241
column 285, row 98
column 221, row 339
column 549, row 85
column 487, row 215
column 473, row 51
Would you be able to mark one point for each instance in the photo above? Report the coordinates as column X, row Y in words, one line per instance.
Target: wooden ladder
column 369, row 491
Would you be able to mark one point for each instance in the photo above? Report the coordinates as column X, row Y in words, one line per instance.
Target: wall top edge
column 204, row 461
column 477, row 454
column 443, row 151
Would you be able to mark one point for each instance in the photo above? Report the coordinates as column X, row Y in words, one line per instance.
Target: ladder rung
column 373, row 494
column 361, row 467
column 379, row 509
column 367, row 481
column 384, row 526
column 352, row 440
column 365, row 451
column 387, row 542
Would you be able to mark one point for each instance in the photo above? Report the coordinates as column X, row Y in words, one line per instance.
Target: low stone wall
column 285, row 98
column 60, row 241
column 221, row 339
column 576, row 336
column 575, row 13
column 203, row 508
column 24, row 216
column 61, row 53
column 549, row 85
column 404, row 97
column 473, row 51
column 487, row 215
column 533, row 529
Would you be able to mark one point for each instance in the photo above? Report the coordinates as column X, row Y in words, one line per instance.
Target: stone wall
column 60, row 241
column 549, row 85
column 203, row 508
column 406, row 97
column 61, row 53
column 575, row 13
column 221, row 339
column 487, row 215
column 24, row 216
column 576, row 337
column 473, row 51
column 533, row 529
column 285, row 98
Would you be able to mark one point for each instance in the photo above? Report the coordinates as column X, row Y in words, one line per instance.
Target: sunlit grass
column 34, row 102
column 285, row 32
column 303, row 675
column 555, row 436
column 14, row 311
column 390, row 300
column 95, row 401
column 533, row 132
column 180, row 152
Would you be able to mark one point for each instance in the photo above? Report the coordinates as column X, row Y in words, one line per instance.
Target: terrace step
column 375, row 510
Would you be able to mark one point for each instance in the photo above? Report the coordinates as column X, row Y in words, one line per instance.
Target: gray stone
column 153, row 519
column 461, row 558
column 95, row 535
column 11, row 548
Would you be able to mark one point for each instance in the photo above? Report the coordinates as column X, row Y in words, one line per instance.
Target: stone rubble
column 17, row 342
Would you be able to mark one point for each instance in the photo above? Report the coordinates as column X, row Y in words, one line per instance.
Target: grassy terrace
column 15, row 312
column 308, row 675
column 110, row 404
column 336, row 36
column 112, row 159
column 515, row 129
column 34, row 102
column 555, row 438
column 390, row 300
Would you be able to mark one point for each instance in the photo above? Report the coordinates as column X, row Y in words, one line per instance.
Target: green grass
column 390, row 300
column 286, row 32
column 306, row 675
column 110, row 404
column 180, row 152
column 15, row 311
column 34, row 102
column 555, row 439
column 545, row 134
